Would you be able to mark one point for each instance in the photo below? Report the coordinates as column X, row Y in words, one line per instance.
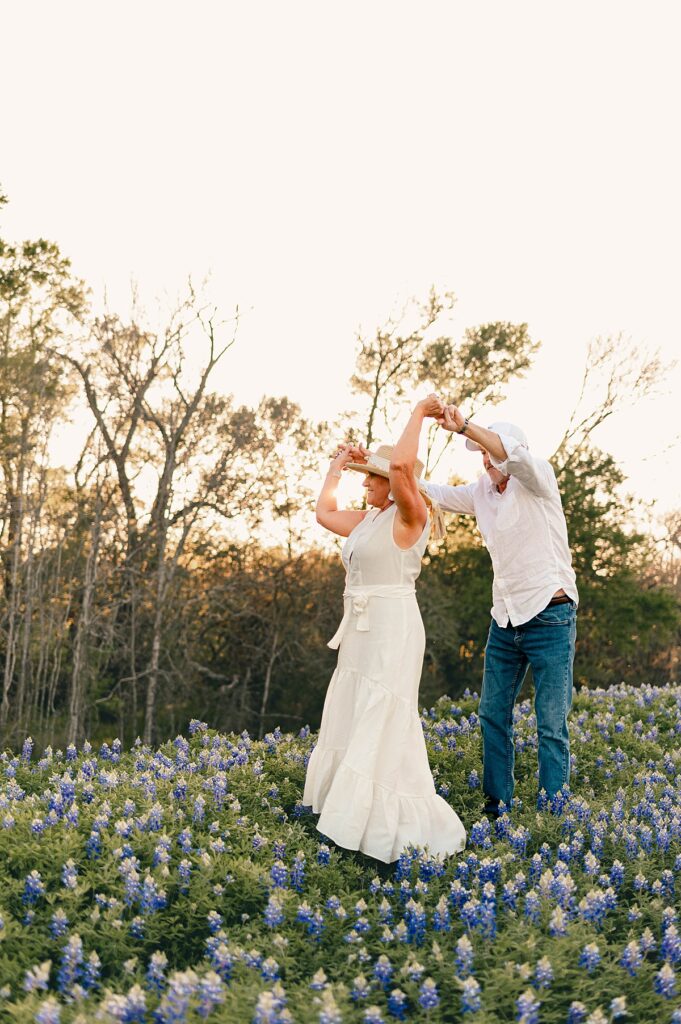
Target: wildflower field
column 188, row 883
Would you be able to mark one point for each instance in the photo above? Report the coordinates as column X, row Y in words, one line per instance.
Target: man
column 519, row 513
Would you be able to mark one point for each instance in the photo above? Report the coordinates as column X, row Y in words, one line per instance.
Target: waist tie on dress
column 358, row 606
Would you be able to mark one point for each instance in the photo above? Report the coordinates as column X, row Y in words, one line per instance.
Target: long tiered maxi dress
column 369, row 774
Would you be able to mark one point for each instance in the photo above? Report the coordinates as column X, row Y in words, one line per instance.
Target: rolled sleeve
column 453, row 499
column 535, row 474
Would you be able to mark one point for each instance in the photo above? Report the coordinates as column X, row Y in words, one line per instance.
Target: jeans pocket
column 558, row 615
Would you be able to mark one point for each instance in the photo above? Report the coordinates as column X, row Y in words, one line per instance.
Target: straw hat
column 378, row 463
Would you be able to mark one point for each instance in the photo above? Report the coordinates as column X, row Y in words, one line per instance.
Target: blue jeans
column 547, row 643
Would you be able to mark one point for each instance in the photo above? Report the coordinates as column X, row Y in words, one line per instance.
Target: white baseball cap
column 501, row 427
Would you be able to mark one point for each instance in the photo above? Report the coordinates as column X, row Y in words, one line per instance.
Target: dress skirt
column 368, row 776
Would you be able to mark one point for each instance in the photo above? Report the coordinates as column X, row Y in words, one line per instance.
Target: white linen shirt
column 524, row 531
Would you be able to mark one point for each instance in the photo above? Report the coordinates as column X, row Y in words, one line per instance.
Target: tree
column 403, row 356
column 40, row 300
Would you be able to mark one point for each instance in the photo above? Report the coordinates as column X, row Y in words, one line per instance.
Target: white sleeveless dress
column 369, row 774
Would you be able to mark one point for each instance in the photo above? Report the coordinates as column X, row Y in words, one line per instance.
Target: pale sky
column 325, row 161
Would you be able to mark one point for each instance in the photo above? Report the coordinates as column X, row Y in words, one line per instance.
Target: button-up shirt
column 523, row 529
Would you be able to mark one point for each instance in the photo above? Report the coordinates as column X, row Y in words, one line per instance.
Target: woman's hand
column 344, row 454
column 431, row 406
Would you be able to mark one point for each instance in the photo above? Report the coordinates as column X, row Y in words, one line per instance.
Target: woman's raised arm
column 412, row 511
column 342, row 522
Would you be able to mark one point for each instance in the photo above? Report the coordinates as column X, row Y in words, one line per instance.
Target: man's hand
column 431, row 406
column 452, row 418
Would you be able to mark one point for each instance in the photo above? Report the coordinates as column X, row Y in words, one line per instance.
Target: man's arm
column 506, row 453
column 453, row 499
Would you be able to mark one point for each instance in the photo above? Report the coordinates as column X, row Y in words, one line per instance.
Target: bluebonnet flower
column 155, row 974
column 34, row 888
column 323, row 854
column 184, row 870
column 221, row 959
column 69, row 875
column 258, row 841
column 543, row 973
column 152, row 898
column 279, row 874
column 214, row 921
column 27, row 749
column 319, row 980
column 464, row 957
column 631, row 958
column 558, row 923
column 470, row 996
column 71, row 966
column 372, row 1015
column 383, row 970
column 590, row 957
column 269, row 969
column 273, row 913
column 647, row 941
column 211, row 992
column 480, row 834
column 316, row 926
column 37, row 978
column 58, row 924
column 403, row 867
column 298, row 871
column 199, row 811
column 279, row 849
column 532, row 907
column 670, row 947
column 527, row 1007
column 616, row 873
column 91, row 971
column 664, row 982
column 473, row 779
column 360, row 988
column 176, row 999
column 397, row 1004
column 49, row 1012
column 428, row 995
column 576, row 1013
column 441, row 920
column 618, row 1007
column 415, row 917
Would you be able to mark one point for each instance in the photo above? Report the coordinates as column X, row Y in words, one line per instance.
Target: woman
column 369, row 774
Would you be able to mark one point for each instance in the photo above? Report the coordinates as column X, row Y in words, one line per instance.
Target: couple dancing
column 369, row 774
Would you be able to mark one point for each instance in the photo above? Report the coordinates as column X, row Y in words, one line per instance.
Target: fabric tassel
column 437, row 527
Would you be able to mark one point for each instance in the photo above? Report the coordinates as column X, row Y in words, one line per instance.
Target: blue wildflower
column 470, row 996
column 631, row 958
column 383, row 970
column 428, row 995
column 527, row 1007
column 590, row 957
column 397, row 1004
column 34, row 888
column 664, row 982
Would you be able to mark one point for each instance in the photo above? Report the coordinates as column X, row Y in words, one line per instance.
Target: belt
column 357, row 604
column 563, row 599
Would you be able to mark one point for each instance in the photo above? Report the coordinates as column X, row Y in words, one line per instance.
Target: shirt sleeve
column 453, row 499
column 533, row 473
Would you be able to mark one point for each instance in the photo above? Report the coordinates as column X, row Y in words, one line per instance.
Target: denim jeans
column 547, row 643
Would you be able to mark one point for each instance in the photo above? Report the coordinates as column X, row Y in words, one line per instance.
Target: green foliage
column 622, row 816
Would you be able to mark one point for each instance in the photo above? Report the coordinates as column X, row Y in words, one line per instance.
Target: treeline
column 168, row 571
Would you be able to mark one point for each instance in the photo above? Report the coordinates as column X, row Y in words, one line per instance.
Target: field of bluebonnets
column 188, row 883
